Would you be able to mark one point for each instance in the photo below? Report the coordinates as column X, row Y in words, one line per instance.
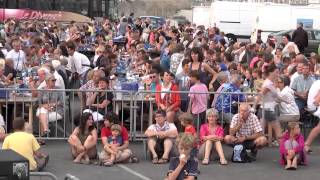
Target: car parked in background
column 313, row 39
column 156, row 21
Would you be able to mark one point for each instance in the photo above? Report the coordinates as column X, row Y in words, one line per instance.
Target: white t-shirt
column 78, row 62
column 59, row 80
column 288, row 106
column 315, row 87
column 19, row 59
column 269, row 99
column 166, row 127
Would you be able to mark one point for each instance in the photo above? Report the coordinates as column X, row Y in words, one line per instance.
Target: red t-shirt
column 191, row 130
column 106, row 132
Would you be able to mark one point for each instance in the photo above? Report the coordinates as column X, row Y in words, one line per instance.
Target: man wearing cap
column 161, row 137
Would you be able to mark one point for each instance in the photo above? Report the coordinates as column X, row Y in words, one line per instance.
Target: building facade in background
column 91, row 8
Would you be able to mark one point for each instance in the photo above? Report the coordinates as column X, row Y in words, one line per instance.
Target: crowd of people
column 214, row 71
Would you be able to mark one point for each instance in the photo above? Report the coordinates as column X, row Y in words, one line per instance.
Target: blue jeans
column 301, row 103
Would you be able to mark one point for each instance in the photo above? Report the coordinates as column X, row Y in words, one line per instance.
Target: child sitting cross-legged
column 110, row 151
column 291, row 147
column 184, row 166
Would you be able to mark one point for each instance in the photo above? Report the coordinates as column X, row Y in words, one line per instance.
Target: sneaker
column 275, row 143
column 253, row 154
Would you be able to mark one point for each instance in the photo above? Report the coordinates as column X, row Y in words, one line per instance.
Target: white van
column 276, row 17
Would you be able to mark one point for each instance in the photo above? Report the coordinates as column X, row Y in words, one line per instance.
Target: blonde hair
column 292, row 125
column 186, row 118
column 212, row 112
column 186, row 140
column 116, row 127
column 2, row 63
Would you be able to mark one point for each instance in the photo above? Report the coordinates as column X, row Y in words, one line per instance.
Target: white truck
column 246, row 19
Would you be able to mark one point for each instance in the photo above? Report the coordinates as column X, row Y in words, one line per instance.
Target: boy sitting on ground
column 110, row 150
column 26, row 145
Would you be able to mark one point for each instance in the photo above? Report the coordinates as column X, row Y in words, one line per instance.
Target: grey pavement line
column 133, row 172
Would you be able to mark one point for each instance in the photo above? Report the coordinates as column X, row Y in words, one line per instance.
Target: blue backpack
column 239, row 154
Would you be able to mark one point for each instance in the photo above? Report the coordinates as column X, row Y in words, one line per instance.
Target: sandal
column 133, row 159
column 163, row 161
column 86, row 162
column 108, row 163
column 307, row 149
column 205, row 161
column 155, row 160
column 41, row 142
column 223, row 162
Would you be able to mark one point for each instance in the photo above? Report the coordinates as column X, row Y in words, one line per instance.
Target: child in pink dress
column 291, row 147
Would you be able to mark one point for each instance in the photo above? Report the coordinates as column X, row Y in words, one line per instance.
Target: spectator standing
column 300, row 37
column 17, row 55
column 199, row 97
column 183, row 81
column 301, row 86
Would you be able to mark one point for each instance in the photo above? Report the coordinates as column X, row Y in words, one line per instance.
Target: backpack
column 239, row 154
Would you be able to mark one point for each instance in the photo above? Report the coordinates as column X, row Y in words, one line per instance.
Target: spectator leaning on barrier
column 51, row 105
column 83, row 140
column 167, row 100
column 161, row 137
column 26, row 145
column 224, row 102
column 100, row 103
column 198, row 102
column 246, row 129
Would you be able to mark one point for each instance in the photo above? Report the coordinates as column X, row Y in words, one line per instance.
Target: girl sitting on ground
column 83, row 140
column 184, row 166
column 111, row 148
column 291, row 147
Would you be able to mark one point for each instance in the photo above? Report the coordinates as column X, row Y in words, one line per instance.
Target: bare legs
column 85, row 151
column 43, row 118
column 313, row 134
column 167, row 143
column 207, row 148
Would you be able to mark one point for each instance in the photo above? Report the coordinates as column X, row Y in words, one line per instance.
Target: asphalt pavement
column 265, row 168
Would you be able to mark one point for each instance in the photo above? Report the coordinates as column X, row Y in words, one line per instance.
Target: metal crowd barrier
column 42, row 175
column 135, row 109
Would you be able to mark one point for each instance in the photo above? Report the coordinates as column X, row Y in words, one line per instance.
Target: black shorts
column 269, row 116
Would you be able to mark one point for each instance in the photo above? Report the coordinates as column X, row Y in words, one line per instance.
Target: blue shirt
column 189, row 169
column 224, row 101
column 117, row 140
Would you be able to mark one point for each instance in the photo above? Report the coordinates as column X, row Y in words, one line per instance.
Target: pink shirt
column 206, row 131
column 199, row 101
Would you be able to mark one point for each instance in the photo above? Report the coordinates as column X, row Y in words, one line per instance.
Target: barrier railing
column 145, row 102
column 63, row 108
column 42, row 175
